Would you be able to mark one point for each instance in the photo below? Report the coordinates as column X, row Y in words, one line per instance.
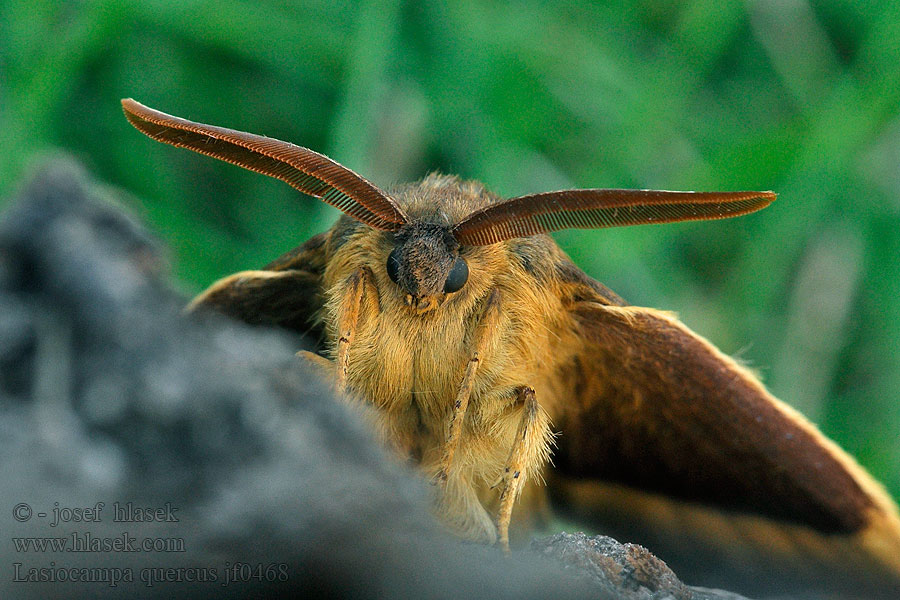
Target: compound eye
column 457, row 278
column 393, row 265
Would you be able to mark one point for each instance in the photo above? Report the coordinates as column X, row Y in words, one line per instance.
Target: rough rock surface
column 622, row 570
column 108, row 393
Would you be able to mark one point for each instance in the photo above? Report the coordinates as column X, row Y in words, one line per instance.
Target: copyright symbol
column 21, row 512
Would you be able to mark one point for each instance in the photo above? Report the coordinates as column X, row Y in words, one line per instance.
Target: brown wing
column 656, row 408
column 286, row 293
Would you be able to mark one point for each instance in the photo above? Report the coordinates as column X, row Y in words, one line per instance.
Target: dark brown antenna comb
column 588, row 209
column 308, row 171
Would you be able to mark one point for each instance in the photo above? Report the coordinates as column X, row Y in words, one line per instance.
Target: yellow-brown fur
column 414, row 389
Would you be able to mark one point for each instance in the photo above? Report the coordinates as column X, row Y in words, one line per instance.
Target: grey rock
column 626, row 571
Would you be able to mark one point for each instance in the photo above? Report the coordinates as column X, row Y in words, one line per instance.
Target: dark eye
column 457, row 277
column 393, row 265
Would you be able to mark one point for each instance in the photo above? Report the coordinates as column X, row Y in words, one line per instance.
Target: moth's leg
column 529, row 433
column 360, row 290
column 486, row 325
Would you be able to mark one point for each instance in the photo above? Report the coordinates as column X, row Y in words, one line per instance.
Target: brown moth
column 482, row 346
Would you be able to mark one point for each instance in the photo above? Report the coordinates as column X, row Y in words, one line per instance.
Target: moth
column 484, row 350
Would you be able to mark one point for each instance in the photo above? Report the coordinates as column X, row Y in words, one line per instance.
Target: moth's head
column 426, row 265
column 425, row 260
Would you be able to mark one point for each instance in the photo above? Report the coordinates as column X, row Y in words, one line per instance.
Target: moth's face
column 425, row 264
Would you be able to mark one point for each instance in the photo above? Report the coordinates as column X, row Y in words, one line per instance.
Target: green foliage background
column 802, row 98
